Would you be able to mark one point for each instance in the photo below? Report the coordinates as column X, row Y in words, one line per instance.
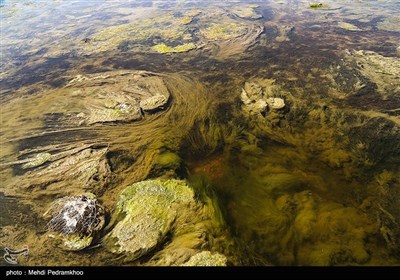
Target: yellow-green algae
column 206, row 258
column 223, row 31
column 37, row 160
column 162, row 48
column 246, row 12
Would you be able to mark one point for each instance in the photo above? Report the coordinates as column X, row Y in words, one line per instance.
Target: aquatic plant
column 316, row 5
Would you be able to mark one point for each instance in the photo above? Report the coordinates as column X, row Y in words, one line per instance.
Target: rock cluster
column 257, row 101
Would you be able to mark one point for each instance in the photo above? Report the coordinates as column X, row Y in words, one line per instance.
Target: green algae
column 223, row 31
column 316, row 5
column 162, row 48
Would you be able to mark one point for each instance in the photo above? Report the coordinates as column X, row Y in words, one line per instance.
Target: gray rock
column 76, row 220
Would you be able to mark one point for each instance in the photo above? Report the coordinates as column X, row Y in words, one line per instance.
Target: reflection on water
column 97, row 95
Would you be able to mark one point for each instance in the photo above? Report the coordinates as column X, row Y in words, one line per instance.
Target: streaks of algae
column 166, row 30
column 317, row 176
column 382, row 70
column 282, row 190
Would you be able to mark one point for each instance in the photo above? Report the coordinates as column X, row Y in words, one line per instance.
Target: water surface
column 316, row 183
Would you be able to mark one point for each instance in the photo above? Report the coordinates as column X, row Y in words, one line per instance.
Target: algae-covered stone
column 76, row 220
column 117, row 96
column 144, row 215
column 37, row 160
column 122, row 111
column 153, row 103
column 206, row 258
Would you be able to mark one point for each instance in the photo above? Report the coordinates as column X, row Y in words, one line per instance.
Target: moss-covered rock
column 206, row 258
column 145, row 214
column 149, row 213
column 156, row 102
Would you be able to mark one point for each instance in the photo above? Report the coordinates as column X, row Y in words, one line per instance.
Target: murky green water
column 313, row 183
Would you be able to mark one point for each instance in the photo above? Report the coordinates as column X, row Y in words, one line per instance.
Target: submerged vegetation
column 178, row 133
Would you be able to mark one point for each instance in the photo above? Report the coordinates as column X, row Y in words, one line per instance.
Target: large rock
column 110, row 97
column 144, row 215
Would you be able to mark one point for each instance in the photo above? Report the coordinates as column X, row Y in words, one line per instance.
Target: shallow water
column 315, row 183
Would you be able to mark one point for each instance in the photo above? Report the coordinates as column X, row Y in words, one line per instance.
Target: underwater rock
column 116, row 96
column 382, row 70
column 206, row 258
column 144, row 215
column 246, row 12
column 348, row 26
column 275, row 103
column 256, row 99
column 122, row 111
column 166, row 218
column 156, row 102
column 76, row 220
column 37, row 160
column 73, row 168
column 391, row 23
